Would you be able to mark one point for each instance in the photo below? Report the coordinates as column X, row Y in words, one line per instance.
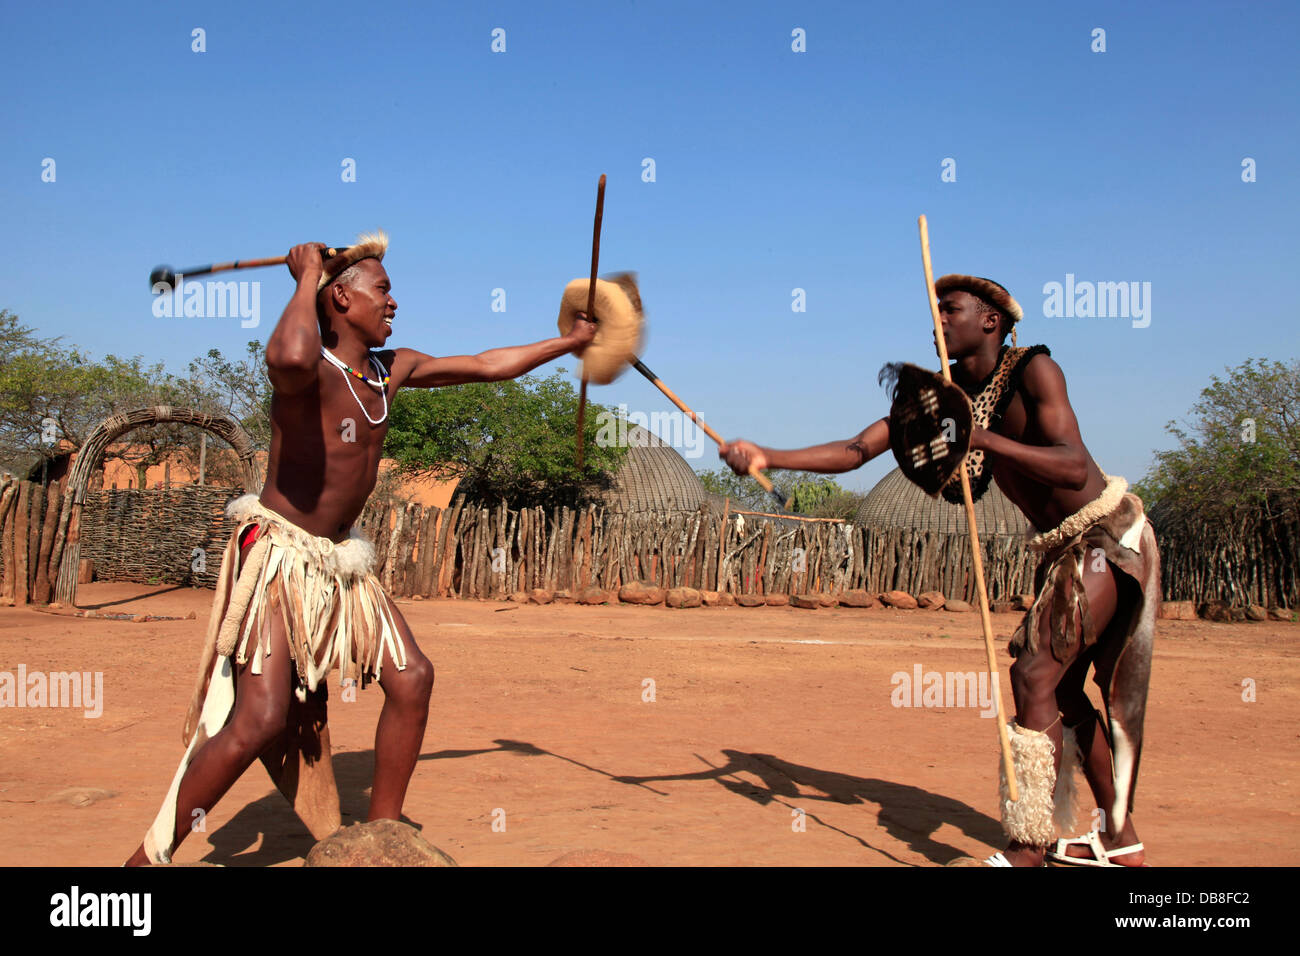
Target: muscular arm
column 830, row 458
column 494, row 365
column 293, row 351
column 1061, row 461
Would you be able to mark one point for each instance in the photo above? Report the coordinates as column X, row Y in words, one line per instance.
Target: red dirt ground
column 538, row 712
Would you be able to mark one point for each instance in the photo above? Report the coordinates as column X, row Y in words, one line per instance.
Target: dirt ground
column 539, row 722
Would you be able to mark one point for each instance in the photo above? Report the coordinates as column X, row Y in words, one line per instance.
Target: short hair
column 348, row 277
column 984, row 306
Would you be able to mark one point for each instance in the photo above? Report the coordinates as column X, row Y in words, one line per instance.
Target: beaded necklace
column 382, row 384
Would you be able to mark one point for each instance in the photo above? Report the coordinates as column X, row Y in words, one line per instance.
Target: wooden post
column 22, row 515
column 203, row 455
column 41, row 591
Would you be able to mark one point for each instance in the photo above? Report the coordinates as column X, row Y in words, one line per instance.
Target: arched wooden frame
column 89, row 456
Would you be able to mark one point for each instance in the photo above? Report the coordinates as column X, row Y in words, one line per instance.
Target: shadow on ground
column 909, row 814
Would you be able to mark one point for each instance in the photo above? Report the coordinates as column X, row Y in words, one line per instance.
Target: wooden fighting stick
column 167, row 275
column 976, row 559
column 754, row 473
column 591, row 303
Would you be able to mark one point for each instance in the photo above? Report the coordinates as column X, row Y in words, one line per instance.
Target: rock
column 1222, row 612
column 931, row 600
column 1280, row 614
column 1256, row 613
column 541, row 596
column 594, row 596
column 957, row 606
column 727, row 599
column 1216, row 611
column 638, row 592
column 141, row 618
column 191, row 616
column 808, row 601
column 80, row 796
column 564, row 596
column 417, row 597
column 778, row 600
column 683, row 597
column 828, row 600
column 597, row 858
column 1178, row 611
column 1003, row 607
column 750, row 600
column 378, row 843
column 520, row 597
column 1022, row 602
column 857, row 598
column 899, row 599
column 711, row 598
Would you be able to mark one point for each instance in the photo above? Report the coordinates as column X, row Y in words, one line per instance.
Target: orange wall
column 118, row 474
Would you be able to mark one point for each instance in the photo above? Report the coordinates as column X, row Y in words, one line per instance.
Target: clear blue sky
column 775, row 170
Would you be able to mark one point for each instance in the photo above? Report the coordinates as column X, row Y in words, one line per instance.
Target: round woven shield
column 930, row 424
column 617, row 312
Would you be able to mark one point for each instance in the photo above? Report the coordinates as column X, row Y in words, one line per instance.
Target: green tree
column 1238, row 461
column 45, row 383
column 515, row 439
column 807, row 493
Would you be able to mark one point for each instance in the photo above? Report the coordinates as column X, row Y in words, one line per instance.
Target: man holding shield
column 1097, row 580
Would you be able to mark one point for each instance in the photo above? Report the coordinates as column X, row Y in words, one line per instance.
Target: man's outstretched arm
column 494, row 365
column 830, row 458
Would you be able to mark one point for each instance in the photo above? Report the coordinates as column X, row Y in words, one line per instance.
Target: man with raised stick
column 1098, row 578
column 297, row 593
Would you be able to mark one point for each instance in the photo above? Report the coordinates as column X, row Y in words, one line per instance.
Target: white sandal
column 1092, row 840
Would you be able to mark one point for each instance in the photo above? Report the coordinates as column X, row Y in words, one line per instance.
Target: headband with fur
column 986, row 289
column 369, row 245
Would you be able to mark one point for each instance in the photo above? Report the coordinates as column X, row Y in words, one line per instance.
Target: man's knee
column 413, row 685
column 257, row 724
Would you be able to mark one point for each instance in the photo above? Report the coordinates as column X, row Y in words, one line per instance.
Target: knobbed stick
column 591, row 303
column 976, row 559
column 167, row 275
column 754, row 473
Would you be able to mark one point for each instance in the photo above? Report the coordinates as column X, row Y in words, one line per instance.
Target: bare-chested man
column 1098, row 579
column 305, row 599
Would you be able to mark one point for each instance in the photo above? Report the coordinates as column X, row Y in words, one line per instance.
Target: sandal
column 1100, row 855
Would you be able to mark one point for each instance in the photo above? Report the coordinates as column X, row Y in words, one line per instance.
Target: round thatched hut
column 653, row 477
column 897, row 503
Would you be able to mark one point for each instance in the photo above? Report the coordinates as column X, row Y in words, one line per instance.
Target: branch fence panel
column 487, row 550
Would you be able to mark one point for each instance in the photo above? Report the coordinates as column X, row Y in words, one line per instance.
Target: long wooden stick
column 976, row 559
column 591, row 303
column 167, row 275
column 754, row 473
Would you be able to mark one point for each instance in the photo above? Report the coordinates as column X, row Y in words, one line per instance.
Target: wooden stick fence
column 474, row 549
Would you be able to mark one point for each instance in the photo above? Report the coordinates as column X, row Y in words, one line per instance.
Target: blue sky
column 774, row 170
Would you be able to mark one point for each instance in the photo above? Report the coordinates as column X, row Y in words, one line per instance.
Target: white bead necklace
column 347, row 377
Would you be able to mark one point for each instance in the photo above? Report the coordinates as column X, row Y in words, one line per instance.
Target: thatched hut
column 652, row 478
column 915, row 543
column 897, row 503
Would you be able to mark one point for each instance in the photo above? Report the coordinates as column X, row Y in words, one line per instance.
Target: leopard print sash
column 989, row 401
